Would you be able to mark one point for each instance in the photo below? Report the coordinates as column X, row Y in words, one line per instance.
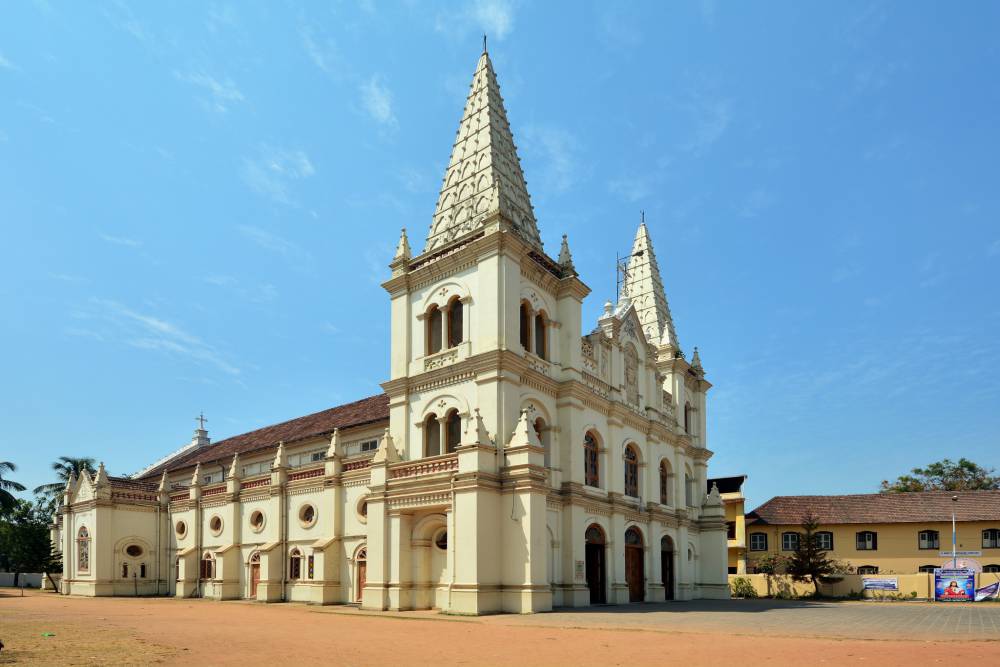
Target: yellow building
column 884, row 533
column 731, row 492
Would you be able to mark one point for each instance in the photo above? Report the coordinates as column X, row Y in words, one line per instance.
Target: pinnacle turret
column 645, row 290
column 484, row 177
column 566, row 259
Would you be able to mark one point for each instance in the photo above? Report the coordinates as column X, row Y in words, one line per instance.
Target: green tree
column 946, row 475
column 24, row 539
column 63, row 467
column 7, row 486
column 809, row 562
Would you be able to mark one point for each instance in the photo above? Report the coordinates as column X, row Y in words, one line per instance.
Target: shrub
column 741, row 587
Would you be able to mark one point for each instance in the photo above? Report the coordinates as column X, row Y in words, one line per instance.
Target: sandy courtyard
column 105, row 631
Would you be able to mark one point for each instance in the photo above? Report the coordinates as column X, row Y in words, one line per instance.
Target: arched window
column 295, row 564
column 142, row 570
column 543, row 437
column 525, row 325
column 455, row 326
column 633, row 537
column 453, row 431
column 664, row 482
column 594, row 534
column 207, row 565
column 687, row 419
column 591, row 471
column 541, row 339
column 928, row 539
column 124, row 570
column 83, row 549
column 631, row 472
column 434, row 325
column 432, row 435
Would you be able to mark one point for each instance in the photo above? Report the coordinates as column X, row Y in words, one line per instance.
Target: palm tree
column 7, row 499
column 65, row 466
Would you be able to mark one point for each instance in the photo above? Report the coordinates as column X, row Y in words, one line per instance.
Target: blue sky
column 198, row 202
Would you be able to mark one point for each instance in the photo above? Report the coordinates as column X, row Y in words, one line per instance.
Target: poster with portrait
column 954, row 585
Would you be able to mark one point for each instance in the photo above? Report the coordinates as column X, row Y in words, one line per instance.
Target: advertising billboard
column 957, row 585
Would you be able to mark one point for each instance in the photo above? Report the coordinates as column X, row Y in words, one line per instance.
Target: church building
column 515, row 462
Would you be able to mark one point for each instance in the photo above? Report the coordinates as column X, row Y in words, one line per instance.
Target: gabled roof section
column 645, row 290
column 369, row 410
column 484, row 174
column 871, row 508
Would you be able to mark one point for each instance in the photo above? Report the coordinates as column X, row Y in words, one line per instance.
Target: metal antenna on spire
column 484, row 42
column 621, row 265
column 201, row 421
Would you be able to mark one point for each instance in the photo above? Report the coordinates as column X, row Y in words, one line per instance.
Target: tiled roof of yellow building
column 869, row 508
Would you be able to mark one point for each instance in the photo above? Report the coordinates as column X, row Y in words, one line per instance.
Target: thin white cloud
column 273, row 171
column 323, row 52
column 149, row 332
column 630, row 188
column 495, row 18
column 288, row 250
column 262, row 293
column 6, row 64
column 712, row 118
column 121, row 240
column 223, row 93
column 377, row 101
column 557, row 150
column 756, row 203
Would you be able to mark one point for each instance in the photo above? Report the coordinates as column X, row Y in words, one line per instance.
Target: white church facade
column 512, row 464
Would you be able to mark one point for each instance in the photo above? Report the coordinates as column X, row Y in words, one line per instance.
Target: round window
column 307, row 515
column 441, row 540
column 361, row 507
column 257, row 520
column 215, row 525
column 133, row 550
column 181, row 529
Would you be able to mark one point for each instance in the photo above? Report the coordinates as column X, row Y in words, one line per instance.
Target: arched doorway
column 361, row 564
column 667, row 566
column 635, row 575
column 595, row 550
column 254, row 573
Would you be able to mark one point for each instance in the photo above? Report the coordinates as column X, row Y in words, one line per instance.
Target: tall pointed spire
column 484, row 175
column 645, row 290
column 566, row 259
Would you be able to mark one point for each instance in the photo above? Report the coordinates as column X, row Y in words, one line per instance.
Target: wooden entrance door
column 254, row 574
column 362, row 565
column 667, row 570
column 635, row 575
column 595, row 566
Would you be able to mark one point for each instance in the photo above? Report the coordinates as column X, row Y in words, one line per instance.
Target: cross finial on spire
column 484, row 42
column 642, row 216
column 201, row 421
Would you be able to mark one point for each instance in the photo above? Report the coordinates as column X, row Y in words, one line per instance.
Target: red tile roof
column 359, row 413
column 912, row 507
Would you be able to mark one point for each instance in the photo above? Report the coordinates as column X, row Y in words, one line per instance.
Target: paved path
column 856, row 620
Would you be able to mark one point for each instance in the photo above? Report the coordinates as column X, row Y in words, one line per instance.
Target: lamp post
column 954, row 551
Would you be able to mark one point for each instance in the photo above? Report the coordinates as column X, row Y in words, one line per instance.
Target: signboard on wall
column 578, row 573
column 880, row 584
column 960, row 554
column 958, row 585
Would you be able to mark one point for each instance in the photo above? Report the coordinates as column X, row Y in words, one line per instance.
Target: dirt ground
column 106, row 631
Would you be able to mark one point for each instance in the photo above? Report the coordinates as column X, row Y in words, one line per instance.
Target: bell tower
column 477, row 318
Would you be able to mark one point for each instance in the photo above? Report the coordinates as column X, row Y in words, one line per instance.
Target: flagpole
column 954, row 551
